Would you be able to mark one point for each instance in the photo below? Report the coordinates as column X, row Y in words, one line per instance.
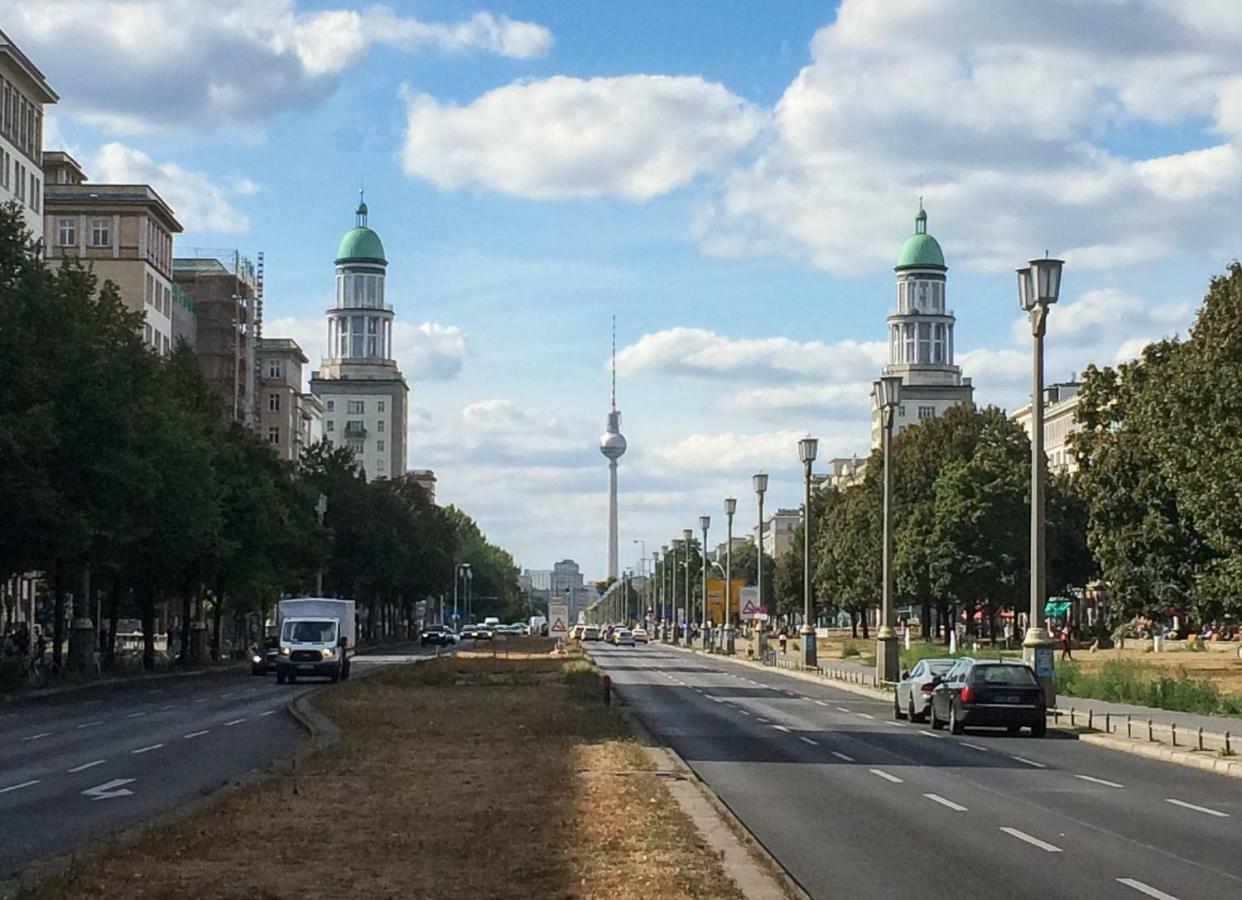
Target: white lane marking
column 743, row 712
column 807, row 740
column 168, row 707
column 1095, row 780
column 1028, row 762
column 886, row 776
column 974, row 746
column 201, row 700
column 18, row 787
column 867, row 715
column 761, row 719
column 135, row 715
column 1202, row 809
column 843, row 709
column 91, row 724
column 1145, row 889
column 842, row 756
column 194, row 734
column 110, row 789
column 938, row 737
column 37, row 737
column 270, row 712
column 147, row 749
column 713, row 699
column 781, row 728
column 85, row 766
column 234, row 722
column 936, row 798
column 820, row 703
column 1033, row 841
column 227, row 695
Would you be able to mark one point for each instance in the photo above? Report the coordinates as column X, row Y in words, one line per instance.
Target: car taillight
column 929, row 687
column 966, row 694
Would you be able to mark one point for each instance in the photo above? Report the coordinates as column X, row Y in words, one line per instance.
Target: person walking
column 1065, row 642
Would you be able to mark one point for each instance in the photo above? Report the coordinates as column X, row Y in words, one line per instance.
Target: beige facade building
column 1060, row 412
column 124, row 232
column 23, row 94
column 778, row 532
column 288, row 418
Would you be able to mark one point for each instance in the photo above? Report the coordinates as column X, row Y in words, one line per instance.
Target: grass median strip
column 469, row 775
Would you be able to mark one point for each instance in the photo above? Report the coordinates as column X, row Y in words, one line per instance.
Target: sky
column 732, row 180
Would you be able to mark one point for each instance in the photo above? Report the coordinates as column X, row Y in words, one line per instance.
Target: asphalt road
column 855, row 804
column 85, row 763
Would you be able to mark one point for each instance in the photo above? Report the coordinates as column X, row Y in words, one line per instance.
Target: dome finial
column 920, row 220
column 362, row 208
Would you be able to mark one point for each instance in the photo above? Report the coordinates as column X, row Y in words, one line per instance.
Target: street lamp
column 760, row 483
column 807, row 448
column 730, row 509
column 321, row 507
column 651, row 587
column 887, row 396
column 457, row 575
column 664, row 594
column 1039, row 284
column 704, row 523
column 687, row 536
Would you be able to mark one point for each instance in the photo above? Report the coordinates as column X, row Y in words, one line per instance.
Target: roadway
column 853, row 803
column 85, row 763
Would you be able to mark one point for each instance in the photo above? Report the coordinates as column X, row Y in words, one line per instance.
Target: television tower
column 612, row 445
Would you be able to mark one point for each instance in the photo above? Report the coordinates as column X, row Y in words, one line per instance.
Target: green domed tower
column 363, row 391
column 920, row 335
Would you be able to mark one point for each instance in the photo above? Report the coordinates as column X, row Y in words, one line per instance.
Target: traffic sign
column 751, row 610
column 558, row 616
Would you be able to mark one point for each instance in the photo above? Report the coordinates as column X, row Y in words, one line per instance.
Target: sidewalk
column 1119, row 711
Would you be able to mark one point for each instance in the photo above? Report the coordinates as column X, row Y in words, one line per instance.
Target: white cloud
column 195, row 65
column 199, row 204
column 425, row 352
column 634, row 136
column 1003, row 122
column 742, row 453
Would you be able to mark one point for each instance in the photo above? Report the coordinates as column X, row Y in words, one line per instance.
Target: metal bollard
column 1128, row 734
column 1200, row 737
column 1149, row 732
column 1108, row 723
column 607, row 682
column 1072, row 722
column 1228, row 749
column 1091, row 720
column 1173, row 731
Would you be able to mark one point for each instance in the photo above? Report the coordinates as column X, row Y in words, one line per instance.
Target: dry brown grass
column 1223, row 669
column 470, row 776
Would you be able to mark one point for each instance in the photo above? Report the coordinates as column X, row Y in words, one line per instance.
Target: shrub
column 1129, row 681
column 850, row 650
column 12, row 674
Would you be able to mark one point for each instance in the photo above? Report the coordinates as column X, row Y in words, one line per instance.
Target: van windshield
column 307, row 632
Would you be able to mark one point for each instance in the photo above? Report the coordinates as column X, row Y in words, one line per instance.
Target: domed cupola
column 920, row 250
column 360, row 244
column 360, row 321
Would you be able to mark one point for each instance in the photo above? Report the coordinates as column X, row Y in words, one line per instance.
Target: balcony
column 355, row 430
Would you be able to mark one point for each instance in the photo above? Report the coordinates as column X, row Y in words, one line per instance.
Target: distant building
column 845, row 472
column 124, row 232
column 1060, row 411
column 722, row 549
column 284, row 420
column 222, row 288
column 778, row 532
column 920, row 336
column 565, row 583
column 23, row 94
column 426, row 479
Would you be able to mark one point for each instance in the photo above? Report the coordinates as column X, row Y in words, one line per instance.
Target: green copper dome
column 360, row 242
column 920, row 249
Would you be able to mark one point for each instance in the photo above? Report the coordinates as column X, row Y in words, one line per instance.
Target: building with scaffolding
column 225, row 289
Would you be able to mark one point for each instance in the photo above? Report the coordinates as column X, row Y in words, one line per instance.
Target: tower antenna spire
column 614, row 363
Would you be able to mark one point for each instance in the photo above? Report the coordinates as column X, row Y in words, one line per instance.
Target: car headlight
column 327, row 654
column 258, row 659
column 284, row 651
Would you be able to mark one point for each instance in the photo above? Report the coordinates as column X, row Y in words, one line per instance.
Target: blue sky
column 732, row 180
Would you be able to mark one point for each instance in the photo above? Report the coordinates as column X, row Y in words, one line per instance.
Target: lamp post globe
column 887, row 658
column 807, row 449
column 1039, row 287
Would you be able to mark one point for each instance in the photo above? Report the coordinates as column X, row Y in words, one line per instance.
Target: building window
column 938, row 343
column 355, row 407
column 379, row 426
column 330, row 425
column 101, row 232
column 331, row 406
column 901, row 411
column 924, row 340
column 379, row 405
column 379, row 446
column 273, row 435
column 34, row 193
column 273, row 402
column 927, row 412
column 908, row 331
column 66, row 232
column 379, row 465
column 372, row 336
column 273, row 368
column 146, row 334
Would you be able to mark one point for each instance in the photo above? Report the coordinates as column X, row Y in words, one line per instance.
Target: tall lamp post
column 642, row 557
column 807, row 448
column 321, row 507
column 674, row 571
column 760, row 483
column 887, row 664
column 686, row 537
column 1039, row 285
column 727, row 644
column 704, row 523
column 651, row 583
column 664, row 593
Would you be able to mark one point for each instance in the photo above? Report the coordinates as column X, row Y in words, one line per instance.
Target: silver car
column 912, row 695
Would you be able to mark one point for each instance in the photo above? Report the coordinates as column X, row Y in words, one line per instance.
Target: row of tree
column 120, row 477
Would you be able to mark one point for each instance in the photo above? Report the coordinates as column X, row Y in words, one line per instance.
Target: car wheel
column 913, row 716
column 1039, row 729
column 955, row 727
column 897, row 713
column 936, row 724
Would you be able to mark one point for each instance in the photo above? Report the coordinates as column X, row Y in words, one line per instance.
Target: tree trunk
column 186, row 614
column 926, row 620
column 866, row 632
column 217, row 615
column 58, row 615
column 854, row 623
column 114, row 614
column 146, row 601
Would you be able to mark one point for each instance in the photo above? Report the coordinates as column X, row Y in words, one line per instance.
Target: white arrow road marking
column 85, row 766
column 147, row 749
column 1095, row 780
column 37, row 737
column 1033, row 841
column 1145, row 889
column 18, row 787
column 1202, row 809
column 110, row 789
column 886, row 776
column 1028, row 762
column 936, row 798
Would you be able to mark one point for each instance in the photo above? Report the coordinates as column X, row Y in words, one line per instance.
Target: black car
column 263, row 659
column 440, row 635
column 989, row 693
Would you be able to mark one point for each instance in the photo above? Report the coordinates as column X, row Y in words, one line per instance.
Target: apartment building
column 23, row 94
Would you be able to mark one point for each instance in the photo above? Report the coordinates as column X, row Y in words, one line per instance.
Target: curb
column 1220, row 765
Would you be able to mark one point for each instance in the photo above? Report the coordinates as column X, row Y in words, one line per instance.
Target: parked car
column 640, row 635
column 590, row 633
column 995, row 693
column 263, row 660
column 623, row 637
column 440, row 635
column 912, row 694
column 478, row 632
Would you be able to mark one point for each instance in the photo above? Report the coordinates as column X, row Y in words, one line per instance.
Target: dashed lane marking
column 1033, row 841
column 1095, row 780
column 807, row 740
column 37, row 737
column 933, row 734
column 973, row 746
column 1028, row 762
column 843, row 709
column 135, row 715
column 867, row 715
column 842, row 756
column 820, row 703
column 91, row 724
column 936, row 798
column 887, row 776
column 167, row 707
column 194, row 734
column 18, row 787
column 1145, row 889
column 1203, row 809
column 781, row 728
column 146, row 749
column 270, row 712
column 234, row 722
column 85, row 766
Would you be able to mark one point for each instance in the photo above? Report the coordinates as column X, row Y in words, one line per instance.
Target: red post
column 607, row 681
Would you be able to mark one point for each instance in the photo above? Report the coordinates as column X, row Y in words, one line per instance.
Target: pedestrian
column 1065, row 643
